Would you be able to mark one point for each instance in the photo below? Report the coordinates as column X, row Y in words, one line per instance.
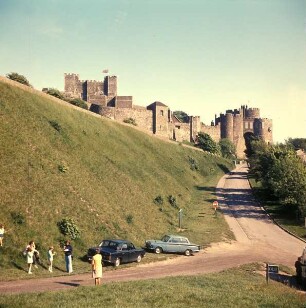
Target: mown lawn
column 241, row 287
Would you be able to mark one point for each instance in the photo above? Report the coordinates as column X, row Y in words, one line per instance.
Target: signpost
column 180, row 218
column 271, row 269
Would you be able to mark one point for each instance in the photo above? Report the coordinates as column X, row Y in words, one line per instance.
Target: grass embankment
column 58, row 162
column 284, row 215
column 242, row 287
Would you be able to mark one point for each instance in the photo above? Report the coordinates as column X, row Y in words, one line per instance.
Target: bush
column 193, row 163
column 18, row 218
column 19, row 78
column 68, row 227
column 172, row 201
column 63, row 168
column 129, row 219
column 130, row 121
column 55, row 125
column 158, row 200
column 79, row 103
column 56, row 93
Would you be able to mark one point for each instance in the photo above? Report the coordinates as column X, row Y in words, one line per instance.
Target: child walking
column 51, row 253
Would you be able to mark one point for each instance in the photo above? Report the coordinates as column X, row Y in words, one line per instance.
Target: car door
column 124, row 252
column 133, row 252
column 173, row 245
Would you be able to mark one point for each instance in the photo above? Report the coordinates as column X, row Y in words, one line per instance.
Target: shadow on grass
column 18, row 266
column 71, row 284
column 287, row 280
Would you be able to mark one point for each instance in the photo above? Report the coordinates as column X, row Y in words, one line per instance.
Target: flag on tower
column 105, row 71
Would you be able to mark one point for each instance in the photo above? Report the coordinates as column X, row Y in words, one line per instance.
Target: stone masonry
column 157, row 117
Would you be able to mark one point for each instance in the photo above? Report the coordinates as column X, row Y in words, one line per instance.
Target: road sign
column 271, row 269
column 215, row 204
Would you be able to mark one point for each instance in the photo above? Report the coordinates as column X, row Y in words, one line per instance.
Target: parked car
column 172, row 243
column 117, row 251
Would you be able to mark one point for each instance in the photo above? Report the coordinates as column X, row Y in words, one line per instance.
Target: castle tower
column 161, row 119
column 73, row 85
column 195, row 127
column 238, row 138
column 110, row 86
column 229, row 126
column 263, row 129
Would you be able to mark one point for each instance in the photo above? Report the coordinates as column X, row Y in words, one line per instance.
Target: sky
column 202, row 57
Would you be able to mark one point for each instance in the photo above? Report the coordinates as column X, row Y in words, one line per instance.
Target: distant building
column 157, row 118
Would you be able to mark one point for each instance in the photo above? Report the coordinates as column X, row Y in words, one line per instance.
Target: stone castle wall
column 158, row 119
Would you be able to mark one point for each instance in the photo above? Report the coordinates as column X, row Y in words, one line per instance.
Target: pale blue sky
column 199, row 56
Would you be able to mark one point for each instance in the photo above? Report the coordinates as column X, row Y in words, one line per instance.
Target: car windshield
column 165, row 238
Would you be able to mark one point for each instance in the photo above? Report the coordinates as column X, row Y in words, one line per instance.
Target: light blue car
column 172, row 243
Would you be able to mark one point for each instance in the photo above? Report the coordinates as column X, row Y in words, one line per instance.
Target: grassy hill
column 60, row 162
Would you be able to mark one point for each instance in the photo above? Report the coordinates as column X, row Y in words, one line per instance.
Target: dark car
column 117, row 251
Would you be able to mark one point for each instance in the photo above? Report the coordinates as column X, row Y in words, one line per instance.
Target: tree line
column 280, row 171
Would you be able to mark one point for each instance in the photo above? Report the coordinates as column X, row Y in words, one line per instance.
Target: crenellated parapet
column 157, row 117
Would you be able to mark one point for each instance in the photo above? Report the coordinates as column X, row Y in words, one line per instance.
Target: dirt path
column 258, row 239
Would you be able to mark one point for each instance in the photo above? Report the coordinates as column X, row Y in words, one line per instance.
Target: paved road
column 258, row 239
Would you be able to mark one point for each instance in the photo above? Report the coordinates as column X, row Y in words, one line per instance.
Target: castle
column 235, row 125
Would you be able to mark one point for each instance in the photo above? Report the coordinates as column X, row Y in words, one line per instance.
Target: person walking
column 1, row 234
column 96, row 264
column 50, row 255
column 68, row 257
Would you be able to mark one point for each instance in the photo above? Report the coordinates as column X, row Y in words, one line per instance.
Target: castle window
column 162, row 113
column 160, row 127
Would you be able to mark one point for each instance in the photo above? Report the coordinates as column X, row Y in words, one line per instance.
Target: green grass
column 58, row 162
column 284, row 215
column 242, row 287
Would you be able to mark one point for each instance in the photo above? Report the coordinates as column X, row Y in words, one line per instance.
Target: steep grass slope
column 59, row 162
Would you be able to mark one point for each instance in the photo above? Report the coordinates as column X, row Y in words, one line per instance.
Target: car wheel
column 158, row 250
column 138, row 259
column 117, row 262
column 187, row 253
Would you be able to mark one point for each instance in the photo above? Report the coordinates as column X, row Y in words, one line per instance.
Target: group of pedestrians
column 33, row 257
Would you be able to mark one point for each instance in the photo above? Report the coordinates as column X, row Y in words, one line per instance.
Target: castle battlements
column 157, row 117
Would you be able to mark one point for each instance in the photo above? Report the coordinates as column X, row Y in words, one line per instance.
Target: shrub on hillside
column 172, row 201
column 68, row 227
column 18, row 218
column 79, row 103
column 159, row 200
column 19, row 78
column 130, row 121
column 56, row 93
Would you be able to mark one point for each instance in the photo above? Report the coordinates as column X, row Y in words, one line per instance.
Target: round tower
column 263, row 129
column 229, row 126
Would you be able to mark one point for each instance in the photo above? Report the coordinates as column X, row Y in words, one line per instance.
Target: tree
column 182, row 116
column 205, row 142
column 19, row 78
column 79, row 102
column 297, row 143
column 56, row 93
column 228, row 149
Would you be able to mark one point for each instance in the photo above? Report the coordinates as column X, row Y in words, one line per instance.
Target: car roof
column 117, row 241
column 172, row 235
